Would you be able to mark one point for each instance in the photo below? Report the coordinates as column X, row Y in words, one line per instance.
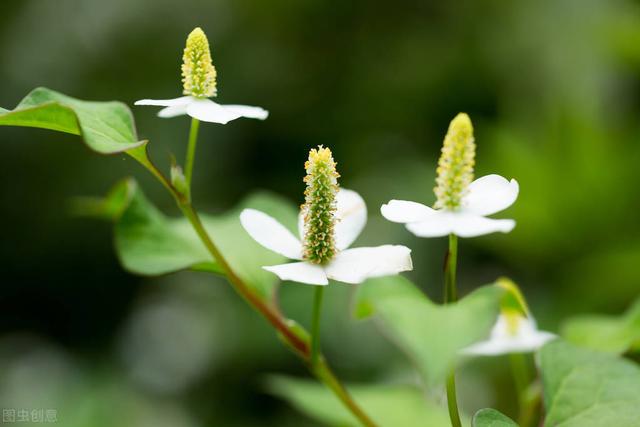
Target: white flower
column 204, row 109
column 199, row 83
column 517, row 334
column 484, row 196
column 462, row 204
column 348, row 265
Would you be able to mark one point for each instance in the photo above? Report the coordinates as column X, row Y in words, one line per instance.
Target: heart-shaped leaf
column 106, row 127
column 585, row 388
column 373, row 291
column 491, row 418
column 431, row 334
column 387, row 405
column 150, row 243
column 613, row 334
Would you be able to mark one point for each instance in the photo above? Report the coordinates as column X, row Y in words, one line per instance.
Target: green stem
column 191, row 152
column 451, row 295
column 324, row 374
column 521, row 377
column 531, row 408
column 452, row 403
column 315, row 325
column 450, row 290
column 321, row 370
column 271, row 313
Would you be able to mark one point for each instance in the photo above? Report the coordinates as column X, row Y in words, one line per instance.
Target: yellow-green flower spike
column 513, row 320
column 455, row 167
column 513, row 306
column 198, row 72
column 320, row 206
column 512, row 299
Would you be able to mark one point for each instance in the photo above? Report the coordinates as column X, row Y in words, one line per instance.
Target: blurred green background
column 553, row 89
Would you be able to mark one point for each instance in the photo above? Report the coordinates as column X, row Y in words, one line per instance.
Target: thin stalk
column 450, row 289
column 270, row 312
column 273, row 316
column 520, row 374
column 521, row 377
column 323, row 373
column 451, row 295
column 320, row 370
column 532, row 406
column 315, row 325
column 191, row 152
column 452, row 402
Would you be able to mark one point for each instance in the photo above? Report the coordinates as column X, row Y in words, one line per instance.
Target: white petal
column 526, row 339
column 439, row 224
column 490, row 194
column 208, row 111
column 302, row 272
column 488, row 348
column 461, row 224
column 467, row 225
column 404, row 211
column 247, row 111
column 357, row 265
column 183, row 100
column 270, row 233
column 351, row 217
column 536, row 340
column 173, row 111
column 525, row 344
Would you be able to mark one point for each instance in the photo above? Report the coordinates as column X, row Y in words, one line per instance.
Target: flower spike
column 198, row 72
column 515, row 330
column 320, row 206
column 199, row 84
column 462, row 204
column 455, row 167
column 330, row 220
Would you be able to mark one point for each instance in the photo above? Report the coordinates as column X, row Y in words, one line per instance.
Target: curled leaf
column 106, row 127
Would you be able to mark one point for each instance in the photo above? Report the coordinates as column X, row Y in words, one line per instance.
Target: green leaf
column 491, row 418
column 109, row 207
column 431, row 334
column 387, row 405
column 150, row 243
column 585, row 388
column 613, row 334
column 106, row 127
column 380, row 289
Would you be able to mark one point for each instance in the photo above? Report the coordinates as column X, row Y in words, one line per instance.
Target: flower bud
column 513, row 306
column 455, row 167
column 320, row 206
column 178, row 180
column 198, row 72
